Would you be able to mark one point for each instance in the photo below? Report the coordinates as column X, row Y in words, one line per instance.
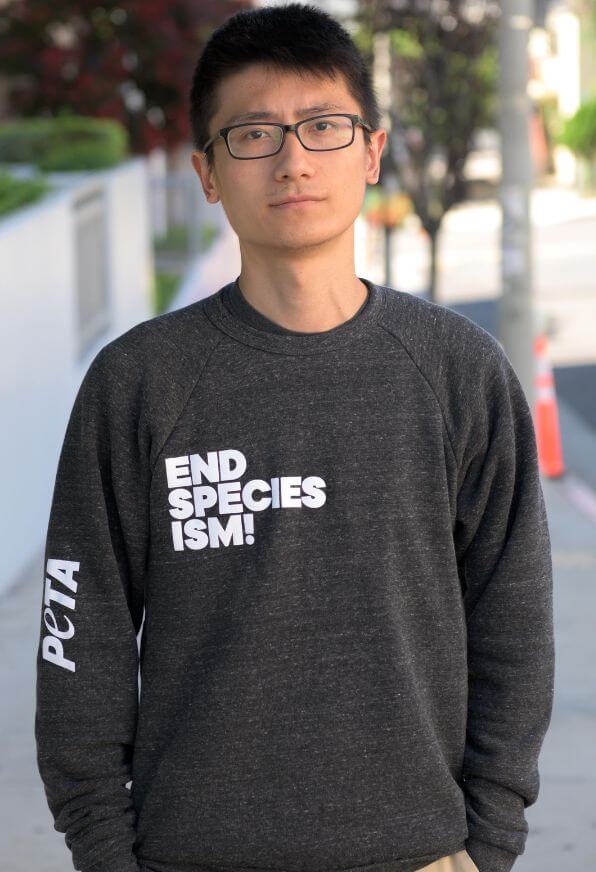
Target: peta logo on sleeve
column 197, row 485
column 60, row 572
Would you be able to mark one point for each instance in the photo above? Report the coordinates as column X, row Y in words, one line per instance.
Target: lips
column 304, row 198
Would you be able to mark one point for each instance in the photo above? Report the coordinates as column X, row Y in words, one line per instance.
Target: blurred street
column 476, row 116
column 564, row 229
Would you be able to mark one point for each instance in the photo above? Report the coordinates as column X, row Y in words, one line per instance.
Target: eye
column 248, row 134
column 323, row 125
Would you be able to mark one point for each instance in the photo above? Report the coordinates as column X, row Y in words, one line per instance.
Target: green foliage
column 405, row 44
column 209, row 232
column 444, row 89
column 15, row 193
column 129, row 61
column 579, row 132
column 363, row 38
column 176, row 239
column 165, row 286
column 460, row 99
column 65, row 142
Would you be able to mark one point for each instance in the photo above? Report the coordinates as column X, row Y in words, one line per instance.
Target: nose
column 292, row 157
column 291, row 141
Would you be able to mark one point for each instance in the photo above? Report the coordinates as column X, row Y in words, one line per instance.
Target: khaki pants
column 458, row 862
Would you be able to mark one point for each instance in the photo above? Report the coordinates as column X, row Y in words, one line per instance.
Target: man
column 324, row 494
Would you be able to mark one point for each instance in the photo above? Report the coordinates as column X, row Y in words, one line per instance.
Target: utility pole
column 516, row 315
column 388, row 180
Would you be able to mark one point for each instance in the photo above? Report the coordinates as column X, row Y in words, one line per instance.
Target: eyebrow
column 264, row 113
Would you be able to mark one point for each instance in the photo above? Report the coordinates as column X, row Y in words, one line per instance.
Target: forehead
column 264, row 92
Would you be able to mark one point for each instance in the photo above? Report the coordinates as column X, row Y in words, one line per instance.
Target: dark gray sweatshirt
column 339, row 544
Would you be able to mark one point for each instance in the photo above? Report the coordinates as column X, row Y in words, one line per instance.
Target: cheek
column 243, row 189
column 349, row 190
column 245, row 203
column 348, row 178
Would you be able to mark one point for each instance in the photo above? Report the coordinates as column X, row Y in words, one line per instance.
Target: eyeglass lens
column 320, row 134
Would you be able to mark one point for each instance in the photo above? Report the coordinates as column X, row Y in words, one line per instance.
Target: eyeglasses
column 258, row 139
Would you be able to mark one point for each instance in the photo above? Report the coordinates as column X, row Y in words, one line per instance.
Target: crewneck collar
column 229, row 310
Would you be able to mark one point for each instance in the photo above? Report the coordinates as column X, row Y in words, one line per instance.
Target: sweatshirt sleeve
column 91, row 611
column 504, row 556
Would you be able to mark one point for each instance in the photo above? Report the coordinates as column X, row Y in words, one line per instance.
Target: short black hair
column 297, row 37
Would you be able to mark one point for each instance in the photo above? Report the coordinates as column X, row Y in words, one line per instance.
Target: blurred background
column 486, row 204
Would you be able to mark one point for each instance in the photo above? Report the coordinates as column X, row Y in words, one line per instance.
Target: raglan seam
column 183, row 407
column 117, row 349
column 431, row 386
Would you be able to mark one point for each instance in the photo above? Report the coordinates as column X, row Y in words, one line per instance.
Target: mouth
column 302, row 201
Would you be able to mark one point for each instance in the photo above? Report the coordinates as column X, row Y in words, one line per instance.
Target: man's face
column 249, row 188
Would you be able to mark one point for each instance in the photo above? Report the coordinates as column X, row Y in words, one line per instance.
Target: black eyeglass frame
column 223, row 133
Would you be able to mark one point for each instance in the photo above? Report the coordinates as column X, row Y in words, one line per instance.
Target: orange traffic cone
column 548, row 434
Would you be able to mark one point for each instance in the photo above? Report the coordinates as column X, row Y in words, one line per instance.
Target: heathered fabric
column 340, row 546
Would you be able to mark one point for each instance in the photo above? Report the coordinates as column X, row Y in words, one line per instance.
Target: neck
column 306, row 293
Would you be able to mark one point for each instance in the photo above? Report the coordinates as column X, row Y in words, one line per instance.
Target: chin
column 297, row 240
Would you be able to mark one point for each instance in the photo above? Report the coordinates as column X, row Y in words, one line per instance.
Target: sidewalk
column 562, row 823
column 548, row 205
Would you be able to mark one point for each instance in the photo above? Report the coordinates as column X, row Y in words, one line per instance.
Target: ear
column 206, row 175
column 378, row 138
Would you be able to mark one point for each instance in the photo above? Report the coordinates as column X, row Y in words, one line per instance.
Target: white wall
column 39, row 370
column 565, row 78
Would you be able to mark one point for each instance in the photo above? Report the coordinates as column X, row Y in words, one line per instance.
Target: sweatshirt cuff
column 488, row 857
